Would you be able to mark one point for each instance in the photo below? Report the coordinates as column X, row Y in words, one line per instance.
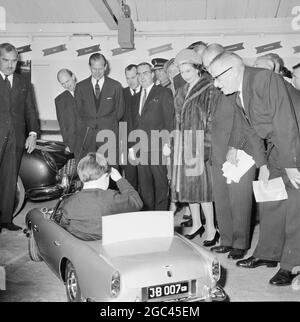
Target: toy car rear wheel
column 20, row 197
column 72, row 286
column 33, row 251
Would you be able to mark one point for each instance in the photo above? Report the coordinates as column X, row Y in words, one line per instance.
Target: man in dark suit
column 100, row 105
column 17, row 117
column 156, row 112
column 131, row 98
column 267, row 108
column 233, row 202
column 66, row 112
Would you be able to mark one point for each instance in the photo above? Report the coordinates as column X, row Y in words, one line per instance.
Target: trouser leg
column 146, row 186
column 291, row 250
column 241, row 197
column 222, row 205
column 161, row 187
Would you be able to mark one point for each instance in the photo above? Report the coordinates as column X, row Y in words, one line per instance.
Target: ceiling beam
column 109, row 10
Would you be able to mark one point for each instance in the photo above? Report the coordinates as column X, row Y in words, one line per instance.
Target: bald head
column 227, row 71
column 67, row 79
column 210, row 53
column 264, row 62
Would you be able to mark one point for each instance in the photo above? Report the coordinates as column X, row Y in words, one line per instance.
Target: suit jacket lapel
column 90, row 93
column 15, row 89
column 150, row 96
column 102, row 93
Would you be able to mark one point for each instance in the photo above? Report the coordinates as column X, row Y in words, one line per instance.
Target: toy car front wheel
column 72, row 285
column 32, row 249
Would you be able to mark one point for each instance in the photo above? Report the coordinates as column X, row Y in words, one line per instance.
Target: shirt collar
column 100, row 183
column 10, row 77
column 137, row 90
column 148, row 89
column 101, row 81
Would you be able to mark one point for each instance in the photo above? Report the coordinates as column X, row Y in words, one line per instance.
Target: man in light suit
column 66, row 112
column 156, row 112
column 267, row 108
column 18, row 128
column 100, row 105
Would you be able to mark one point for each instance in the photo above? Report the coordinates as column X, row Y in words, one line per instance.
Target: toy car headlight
column 115, row 284
column 215, row 269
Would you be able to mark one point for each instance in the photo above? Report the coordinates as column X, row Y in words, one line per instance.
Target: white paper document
column 273, row 191
column 234, row 173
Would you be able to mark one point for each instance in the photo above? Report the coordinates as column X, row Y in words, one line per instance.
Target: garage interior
column 62, row 33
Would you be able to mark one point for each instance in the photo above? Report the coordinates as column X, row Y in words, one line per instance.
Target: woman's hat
column 187, row 56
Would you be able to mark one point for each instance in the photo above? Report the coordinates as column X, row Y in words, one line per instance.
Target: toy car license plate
column 167, row 290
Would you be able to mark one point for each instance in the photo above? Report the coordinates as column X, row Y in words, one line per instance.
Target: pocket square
column 155, row 100
column 109, row 98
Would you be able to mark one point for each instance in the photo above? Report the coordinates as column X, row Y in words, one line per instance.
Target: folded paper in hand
column 234, row 173
column 273, row 191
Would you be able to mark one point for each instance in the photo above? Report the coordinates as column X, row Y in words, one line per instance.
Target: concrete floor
column 28, row 281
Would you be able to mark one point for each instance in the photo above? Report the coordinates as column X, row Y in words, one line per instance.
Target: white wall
column 44, row 68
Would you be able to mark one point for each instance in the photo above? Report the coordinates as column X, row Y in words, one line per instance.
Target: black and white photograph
column 149, row 152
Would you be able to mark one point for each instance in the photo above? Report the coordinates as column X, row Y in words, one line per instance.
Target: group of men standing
column 99, row 104
column 254, row 111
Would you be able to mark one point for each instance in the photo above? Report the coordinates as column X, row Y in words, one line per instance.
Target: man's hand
column 115, row 174
column 30, row 143
column 294, row 176
column 166, row 150
column 231, row 156
column 67, row 149
column 264, row 174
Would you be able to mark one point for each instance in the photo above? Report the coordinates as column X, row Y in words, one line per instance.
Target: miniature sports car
column 136, row 259
column 40, row 176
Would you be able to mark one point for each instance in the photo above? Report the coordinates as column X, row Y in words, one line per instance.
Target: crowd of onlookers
column 209, row 106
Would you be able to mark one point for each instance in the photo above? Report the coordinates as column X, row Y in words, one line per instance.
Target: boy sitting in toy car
column 82, row 212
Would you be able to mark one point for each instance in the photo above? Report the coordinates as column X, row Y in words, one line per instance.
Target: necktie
column 143, row 100
column 240, row 105
column 7, row 83
column 97, row 90
column 134, row 92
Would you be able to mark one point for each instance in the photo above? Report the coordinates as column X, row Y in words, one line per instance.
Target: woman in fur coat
column 191, row 173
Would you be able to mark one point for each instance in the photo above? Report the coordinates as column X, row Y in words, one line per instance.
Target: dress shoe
column 187, row 223
column 11, row 226
column 199, row 232
column 282, row 278
column 221, row 249
column 212, row 242
column 253, row 262
column 237, row 253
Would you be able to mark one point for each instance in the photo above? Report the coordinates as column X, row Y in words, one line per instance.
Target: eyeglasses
column 225, row 71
